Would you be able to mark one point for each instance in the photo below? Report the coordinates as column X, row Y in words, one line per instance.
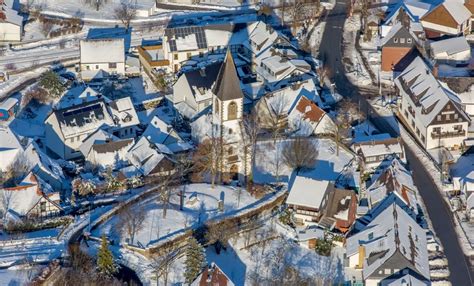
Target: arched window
column 230, row 131
column 216, row 106
column 232, row 111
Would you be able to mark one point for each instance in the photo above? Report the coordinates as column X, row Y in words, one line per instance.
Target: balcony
column 452, row 134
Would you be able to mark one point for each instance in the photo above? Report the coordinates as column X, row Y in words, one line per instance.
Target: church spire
column 227, row 85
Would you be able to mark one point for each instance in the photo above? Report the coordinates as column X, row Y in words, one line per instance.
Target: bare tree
column 6, row 198
column 207, row 160
column 126, row 12
column 364, row 6
column 219, row 233
column 347, row 113
column 131, row 221
column 297, row 13
column 251, row 129
column 300, row 153
column 323, row 73
column 46, row 27
column 162, row 263
column 17, row 171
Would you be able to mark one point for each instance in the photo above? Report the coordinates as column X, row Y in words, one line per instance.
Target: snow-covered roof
column 457, row 9
column 123, row 112
column 9, row 103
column 426, row 92
column 405, row 277
column 308, row 192
column 41, row 164
column 23, row 197
column 10, row 147
column 11, row 15
column 415, row 9
column 102, row 51
column 144, row 157
column 450, row 46
column 382, row 147
column 392, row 235
column 393, row 178
column 99, row 136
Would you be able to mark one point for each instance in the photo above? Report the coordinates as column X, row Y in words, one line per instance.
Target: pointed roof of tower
column 227, row 85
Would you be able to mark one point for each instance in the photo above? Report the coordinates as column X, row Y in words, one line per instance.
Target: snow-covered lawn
column 328, row 166
column 201, row 204
column 19, row 276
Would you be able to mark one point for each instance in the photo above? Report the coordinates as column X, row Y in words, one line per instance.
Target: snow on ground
column 328, row 166
column 17, row 277
column 201, row 204
column 316, row 37
column 354, row 66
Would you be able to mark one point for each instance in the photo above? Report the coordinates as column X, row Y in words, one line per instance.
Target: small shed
column 8, row 108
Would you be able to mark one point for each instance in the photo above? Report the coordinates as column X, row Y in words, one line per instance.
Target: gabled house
column 148, row 160
column 462, row 174
column 453, row 51
column 406, row 276
column 212, row 275
column 340, row 210
column 431, row 111
column 448, row 18
column 9, row 108
column 308, row 198
column 390, row 242
column 192, row 92
column 396, row 45
column 102, row 57
column 470, row 6
column 32, row 198
column 392, row 178
column 68, row 127
column 11, row 24
column 409, row 13
column 10, row 147
column 295, row 107
column 373, row 152
column 161, row 133
column 110, row 153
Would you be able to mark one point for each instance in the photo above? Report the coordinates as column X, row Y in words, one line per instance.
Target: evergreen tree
column 105, row 260
column 195, row 260
column 51, row 82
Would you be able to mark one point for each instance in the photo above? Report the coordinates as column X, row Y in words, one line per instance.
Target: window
column 96, row 67
column 230, row 151
column 230, row 131
column 232, row 111
column 371, row 236
column 409, row 40
column 175, row 56
column 43, row 206
column 112, row 65
column 448, row 116
column 458, row 128
column 395, row 40
column 456, row 116
column 402, row 40
column 438, row 117
column 437, row 130
column 423, row 138
column 413, row 124
column 406, row 114
column 188, row 55
column 418, row 131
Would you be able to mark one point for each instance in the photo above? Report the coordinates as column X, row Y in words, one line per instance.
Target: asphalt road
column 441, row 217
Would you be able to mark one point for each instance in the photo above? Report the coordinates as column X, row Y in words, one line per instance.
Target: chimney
column 361, row 256
column 435, row 71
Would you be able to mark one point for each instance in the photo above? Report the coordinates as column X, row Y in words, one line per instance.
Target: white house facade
column 102, row 56
column 431, row 111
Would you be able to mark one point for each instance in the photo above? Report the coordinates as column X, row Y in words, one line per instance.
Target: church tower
column 227, row 113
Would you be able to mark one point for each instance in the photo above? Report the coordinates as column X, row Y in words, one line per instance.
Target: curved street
column 331, row 51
